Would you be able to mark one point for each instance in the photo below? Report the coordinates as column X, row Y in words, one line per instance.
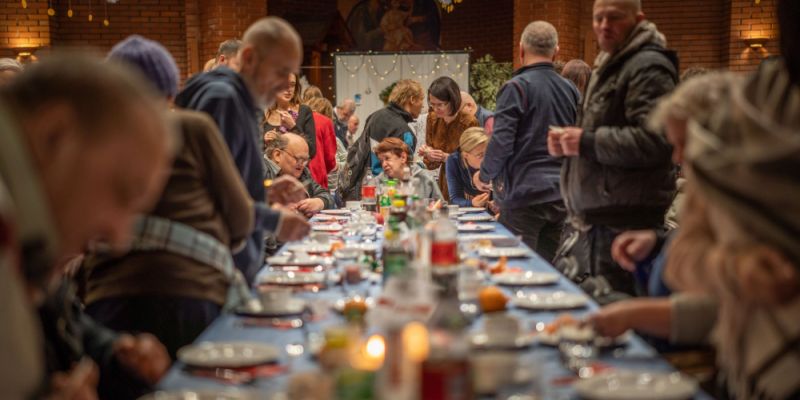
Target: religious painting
column 392, row 25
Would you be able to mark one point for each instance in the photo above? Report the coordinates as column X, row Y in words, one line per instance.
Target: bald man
column 617, row 174
column 271, row 50
column 288, row 155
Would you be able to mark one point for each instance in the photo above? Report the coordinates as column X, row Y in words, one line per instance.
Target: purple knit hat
column 152, row 59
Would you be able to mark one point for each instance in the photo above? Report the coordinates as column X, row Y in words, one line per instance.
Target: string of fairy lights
column 51, row 10
column 441, row 62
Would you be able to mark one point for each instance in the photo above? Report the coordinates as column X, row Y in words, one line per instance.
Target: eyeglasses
column 438, row 105
column 297, row 160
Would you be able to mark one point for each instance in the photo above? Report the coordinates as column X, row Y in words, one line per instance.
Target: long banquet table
column 637, row 355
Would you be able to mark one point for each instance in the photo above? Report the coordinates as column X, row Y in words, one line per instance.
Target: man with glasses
column 287, row 154
column 525, row 177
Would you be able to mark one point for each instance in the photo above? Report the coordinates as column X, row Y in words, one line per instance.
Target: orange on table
column 336, row 246
column 491, row 299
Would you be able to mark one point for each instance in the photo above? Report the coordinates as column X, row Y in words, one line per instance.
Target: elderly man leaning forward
column 270, row 52
column 617, row 174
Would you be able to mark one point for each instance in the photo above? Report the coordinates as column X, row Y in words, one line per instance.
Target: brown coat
column 445, row 137
column 205, row 192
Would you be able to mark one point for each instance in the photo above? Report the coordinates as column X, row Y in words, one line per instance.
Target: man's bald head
column 268, row 33
column 271, row 51
column 468, row 105
column 290, row 153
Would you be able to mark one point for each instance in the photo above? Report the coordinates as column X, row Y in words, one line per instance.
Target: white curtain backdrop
column 362, row 76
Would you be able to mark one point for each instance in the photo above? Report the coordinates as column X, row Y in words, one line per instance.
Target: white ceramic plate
column 303, row 260
column 259, row 309
column 475, row 228
column 471, row 209
column 340, row 211
column 309, row 247
column 558, row 300
column 636, row 385
column 475, row 218
column 486, row 341
column 496, row 239
column 327, row 227
column 292, row 278
column 526, row 278
column 227, row 354
column 509, row 252
column 582, row 335
column 200, row 395
column 328, row 218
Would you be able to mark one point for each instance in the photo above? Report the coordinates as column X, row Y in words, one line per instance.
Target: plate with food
column 257, row 308
column 334, row 227
column 298, row 260
column 567, row 328
column 470, row 210
column 227, row 354
column 636, row 385
column 508, row 252
column 525, row 278
column 550, row 300
column 475, row 228
column 292, row 278
column 310, row 248
column 475, row 218
column 338, row 211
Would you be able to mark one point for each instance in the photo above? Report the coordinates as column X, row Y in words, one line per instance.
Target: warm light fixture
column 756, row 42
column 448, row 5
column 25, row 55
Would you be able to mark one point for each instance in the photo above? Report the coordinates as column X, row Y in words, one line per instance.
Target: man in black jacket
column 525, row 176
column 617, row 175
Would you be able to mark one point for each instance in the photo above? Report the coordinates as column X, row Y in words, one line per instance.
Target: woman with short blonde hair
column 462, row 164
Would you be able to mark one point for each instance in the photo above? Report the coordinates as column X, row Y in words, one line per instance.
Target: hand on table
column 144, row 355
column 292, row 226
column 480, row 200
column 79, row 383
column 612, row 320
column 310, row 206
column 286, row 189
column 631, row 247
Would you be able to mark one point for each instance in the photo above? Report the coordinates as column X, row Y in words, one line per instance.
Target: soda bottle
column 369, row 199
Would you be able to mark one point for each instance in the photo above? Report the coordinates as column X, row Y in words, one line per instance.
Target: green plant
column 384, row 95
column 485, row 79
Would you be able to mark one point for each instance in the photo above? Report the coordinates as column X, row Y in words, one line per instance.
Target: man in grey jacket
column 617, row 175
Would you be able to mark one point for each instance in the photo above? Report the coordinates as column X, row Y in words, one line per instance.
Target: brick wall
column 481, row 25
column 23, row 27
column 694, row 29
column 160, row 20
column 221, row 20
column 748, row 20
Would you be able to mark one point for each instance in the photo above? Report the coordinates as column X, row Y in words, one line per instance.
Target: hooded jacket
column 624, row 171
column 222, row 94
column 390, row 121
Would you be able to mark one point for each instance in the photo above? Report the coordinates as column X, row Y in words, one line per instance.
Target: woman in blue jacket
column 462, row 164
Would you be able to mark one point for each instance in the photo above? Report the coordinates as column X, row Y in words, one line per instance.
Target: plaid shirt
column 155, row 233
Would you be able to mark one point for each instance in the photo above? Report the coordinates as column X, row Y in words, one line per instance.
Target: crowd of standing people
column 131, row 203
